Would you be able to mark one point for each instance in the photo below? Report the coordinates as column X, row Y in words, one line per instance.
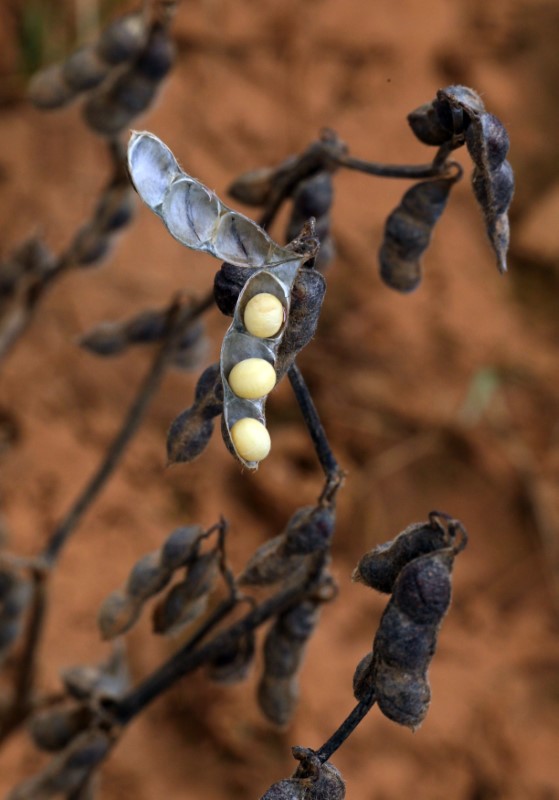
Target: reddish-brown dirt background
column 393, row 377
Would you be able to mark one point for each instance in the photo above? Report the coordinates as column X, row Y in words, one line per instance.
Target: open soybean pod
column 197, row 218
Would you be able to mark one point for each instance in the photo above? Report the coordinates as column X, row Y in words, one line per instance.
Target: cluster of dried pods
column 119, row 74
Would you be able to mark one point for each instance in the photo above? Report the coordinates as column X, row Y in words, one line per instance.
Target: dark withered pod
column 106, row 681
column 118, row 613
column 88, row 67
column 111, row 107
column 255, row 187
column 492, row 179
column 181, row 546
column 198, row 219
column 309, row 530
column 187, row 600
column 312, row 780
column 69, row 769
column 446, row 119
column 407, row 636
column 191, row 431
column 277, row 698
column 380, row 567
column 313, row 197
column 269, row 564
column 31, row 259
column 284, row 649
column 408, row 231
column 233, row 664
column 54, row 728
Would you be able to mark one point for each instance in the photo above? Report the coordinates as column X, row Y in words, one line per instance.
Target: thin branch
column 334, row 474
column 347, row 727
column 404, row 171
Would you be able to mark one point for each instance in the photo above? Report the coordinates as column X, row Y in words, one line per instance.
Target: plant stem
column 334, row 475
column 404, row 171
column 346, row 728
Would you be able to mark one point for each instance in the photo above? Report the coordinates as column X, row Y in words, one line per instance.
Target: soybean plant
column 273, row 293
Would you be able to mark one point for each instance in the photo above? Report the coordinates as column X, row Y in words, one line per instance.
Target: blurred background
column 447, row 398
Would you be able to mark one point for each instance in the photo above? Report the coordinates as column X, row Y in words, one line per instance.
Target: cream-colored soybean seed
column 252, row 378
column 251, row 439
column 263, row 315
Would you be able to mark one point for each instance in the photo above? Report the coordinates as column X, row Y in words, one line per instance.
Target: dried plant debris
column 313, row 780
column 457, row 116
column 416, row 567
column 264, row 337
column 152, row 573
column 232, row 665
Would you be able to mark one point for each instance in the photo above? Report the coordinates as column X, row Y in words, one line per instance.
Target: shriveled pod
column 277, row 698
column 446, row 119
column 408, row 232
column 407, row 636
column 181, row 546
column 313, row 780
column 83, row 70
column 122, row 40
column 233, row 664
column 198, row 219
column 310, row 530
column 269, row 564
column 68, row 770
column 380, row 567
column 313, row 197
column 492, row 180
column 109, row 679
column 54, row 728
column 148, row 577
column 186, row 601
column 48, row 90
column 90, row 245
column 191, row 431
column 118, row 613
column 253, row 188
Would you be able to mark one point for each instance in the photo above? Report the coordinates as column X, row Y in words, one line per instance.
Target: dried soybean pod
column 380, row 567
column 118, row 613
column 406, row 639
column 307, row 297
column 311, row 782
column 492, row 180
column 309, row 530
column 122, row 40
column 277, row 699
column 187, row 600
column 105, row 339
column 181, row 546
column 269, row 564
column 408, row 232
column 228, row 284
column 148, row 577
column 53, row 728
column 402, row 696
column 48, row 90
column 254, row 187
column 232, row 665
column 84, row 69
